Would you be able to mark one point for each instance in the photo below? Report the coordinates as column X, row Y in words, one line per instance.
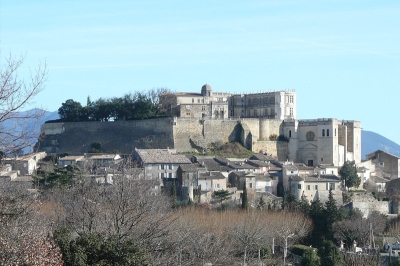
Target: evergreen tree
column 289, row 201
column 317, row 215
column 331, row 215
column 329, row 254
column 304, row 205
column 245, row 203
column 222, row 195
column 173, row 193
column 261, row 203
column 348, row 174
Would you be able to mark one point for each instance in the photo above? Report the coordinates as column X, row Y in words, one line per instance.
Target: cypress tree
column 331, row 215
column 245, row 202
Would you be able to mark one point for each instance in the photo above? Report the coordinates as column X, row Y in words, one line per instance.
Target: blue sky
column 341, row 57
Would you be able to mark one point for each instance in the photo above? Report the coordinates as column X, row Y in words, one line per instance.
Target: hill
column 371, row 141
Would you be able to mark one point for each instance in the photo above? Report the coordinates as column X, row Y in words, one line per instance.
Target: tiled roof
column 315, row 178
column 161, row 156
column 71, row 158
column 211, row 175
column 188, row 167
column 102, row 157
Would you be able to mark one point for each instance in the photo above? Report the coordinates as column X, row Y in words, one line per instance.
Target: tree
column 331, row 215
column 222, row 195
column 97, row 249
column 348, row 173
column 328, row 253
column 261, row 203
column 96, row 146
column 245, row 201
column 70, row 111
column 16, row 94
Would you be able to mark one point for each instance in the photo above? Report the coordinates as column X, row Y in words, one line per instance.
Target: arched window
column 290, row 133
column 323, row 132
column 327, row 132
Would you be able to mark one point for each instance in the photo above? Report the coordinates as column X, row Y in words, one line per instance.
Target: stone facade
column 312, row 142
column 219, row 105
column 386, row 164
column 323, row 141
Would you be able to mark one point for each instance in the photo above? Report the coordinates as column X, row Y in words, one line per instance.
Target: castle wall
column 278, row 148
column 118, row 136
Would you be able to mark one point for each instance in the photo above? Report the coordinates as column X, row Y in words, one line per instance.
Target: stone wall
column 278, row 148
column 118, row 136
column 176, row 133
column 210, row 130
column 366, row 203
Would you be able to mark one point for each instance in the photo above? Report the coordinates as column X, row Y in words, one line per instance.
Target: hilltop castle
column 262, row 122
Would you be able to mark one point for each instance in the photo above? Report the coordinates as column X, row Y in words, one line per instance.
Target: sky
column 342, row 57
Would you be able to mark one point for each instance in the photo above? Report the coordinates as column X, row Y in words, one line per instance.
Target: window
column 171, row 166
column 335, row 132
column 291, row 99
column 250, row 185
column 299, row 186
column 308, row 187
column 203, row 108
column 316, row 187
column 217, row 186
column 248, row 101
column 171, row 175
column 322, row 159
column 327, row 132
column 188, row 114
column 232, row 113
column 149, row 166
column 310, row 136
column 248, row 113
column 192, row 100
column 323, row 132
column 290, row 133
column 291, row 111
column 198, row 100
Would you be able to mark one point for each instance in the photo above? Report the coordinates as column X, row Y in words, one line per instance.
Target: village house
column 385, row 163
column 208, row 182
column 159, row 163
column 71, row 160
column 316, row 187
column 106, row 160
column 27, row 164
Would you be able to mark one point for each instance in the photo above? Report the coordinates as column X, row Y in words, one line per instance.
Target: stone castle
column 262, row 122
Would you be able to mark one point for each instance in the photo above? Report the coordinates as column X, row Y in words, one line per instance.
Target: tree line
column 131, row 106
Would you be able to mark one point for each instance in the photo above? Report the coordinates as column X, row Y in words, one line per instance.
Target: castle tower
column 206, row 90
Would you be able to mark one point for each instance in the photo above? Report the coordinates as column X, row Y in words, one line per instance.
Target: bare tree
column 15, row 95
column 289, row 227
column 24, row 238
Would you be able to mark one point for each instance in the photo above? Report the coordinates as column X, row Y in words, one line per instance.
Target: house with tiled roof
column 70, row 160
column 208, row 182
column 386, row 163
column 316, row 186
column 159, row 163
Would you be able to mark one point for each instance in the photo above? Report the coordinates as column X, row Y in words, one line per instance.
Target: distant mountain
column 371, row 141
column 33, row 125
